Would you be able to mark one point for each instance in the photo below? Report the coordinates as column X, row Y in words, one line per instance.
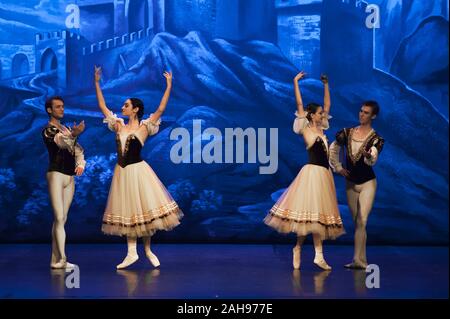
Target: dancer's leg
column 56, row 190
column 366, row 198
column 148, row 252
column 132, row 255
column 297, row 252
column 352, row 191
column 69, row 190
column 319, row 260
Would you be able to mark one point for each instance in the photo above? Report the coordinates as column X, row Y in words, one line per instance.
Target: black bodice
column 318, row 153
column 131, row 153
column 60, row 160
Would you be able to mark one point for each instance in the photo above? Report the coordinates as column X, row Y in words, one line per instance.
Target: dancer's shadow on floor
column 138, row 279
column 319, row 279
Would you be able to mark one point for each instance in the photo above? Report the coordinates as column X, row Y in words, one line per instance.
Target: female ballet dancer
column 138, row 203
column 309, row 204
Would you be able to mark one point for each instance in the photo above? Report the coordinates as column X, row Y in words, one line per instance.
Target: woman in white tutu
column 309, row 204
column 138, row 203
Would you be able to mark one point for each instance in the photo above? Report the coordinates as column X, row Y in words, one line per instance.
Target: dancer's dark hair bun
column 137, row 103
column 311, row 108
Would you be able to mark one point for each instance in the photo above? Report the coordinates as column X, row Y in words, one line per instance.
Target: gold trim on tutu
column 141, row 225
column 308, row 205
column 138, row 203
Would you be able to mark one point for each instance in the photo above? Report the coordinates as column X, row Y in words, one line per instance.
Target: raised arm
column 162, row 105
column 326, row 94
column 98, row 91
column 298, row 96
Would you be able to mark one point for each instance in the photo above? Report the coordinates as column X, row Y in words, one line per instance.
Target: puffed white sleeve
column 152, row 127
column 335, row 163
column 111, row 120
column 64, row 139
column 373, row 159
column 325, row 122
column 79, row 156
column 300, row 123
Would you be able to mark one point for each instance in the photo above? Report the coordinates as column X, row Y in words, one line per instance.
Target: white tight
column 132, row 245
column 318, row 247
column 360, row 201
column 60, row 188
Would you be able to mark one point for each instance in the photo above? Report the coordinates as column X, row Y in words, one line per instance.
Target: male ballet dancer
column 66, row 159
column 362, row 146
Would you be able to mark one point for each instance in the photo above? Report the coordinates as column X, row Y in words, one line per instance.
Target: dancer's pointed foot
column 153, row 259
column 70, row 265
column 61, row 264
column 129, row 260
column 296, row 257
column 321, row 263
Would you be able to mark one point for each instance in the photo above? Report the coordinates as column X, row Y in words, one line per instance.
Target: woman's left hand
column 324, row 78
column 168, row 76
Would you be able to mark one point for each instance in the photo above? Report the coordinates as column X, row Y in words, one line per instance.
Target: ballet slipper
column 152, row 258
column 128, row 261
column 321, row 263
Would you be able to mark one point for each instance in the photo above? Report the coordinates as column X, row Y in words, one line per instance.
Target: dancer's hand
column 324, row 78
column 367, row 155
column 344, row 172
column 77, row 129
column 299, row 76
column 97, row 73
column 168, row 76
column 79, row 170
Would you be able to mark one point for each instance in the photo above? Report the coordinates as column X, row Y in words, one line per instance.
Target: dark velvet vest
column 131, row 153
column 359, row 171
column 318, row 153
column 60, row 160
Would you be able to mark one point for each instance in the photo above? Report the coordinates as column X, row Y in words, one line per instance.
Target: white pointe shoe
column 129, row 260
column 153, row 259
column 70, row 266
column 58, row 265
column 62, row 264
column 53, row 265
column 296, row 257
column 321, row 263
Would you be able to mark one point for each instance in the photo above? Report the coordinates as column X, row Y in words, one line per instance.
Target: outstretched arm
column 98, row 91
column 163, row 104
column 326, row 94
column 298, row 96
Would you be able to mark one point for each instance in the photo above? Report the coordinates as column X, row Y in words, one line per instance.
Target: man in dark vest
column 66, row 159
column 362, row 146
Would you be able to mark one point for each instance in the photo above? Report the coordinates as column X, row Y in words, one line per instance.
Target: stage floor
column 203, row 271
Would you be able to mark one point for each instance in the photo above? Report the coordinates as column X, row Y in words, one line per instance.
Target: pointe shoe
column 321, row 263
column 128, row 261
column 61, row 264
column 296, row 257
column 153, row 259
column 70, row 265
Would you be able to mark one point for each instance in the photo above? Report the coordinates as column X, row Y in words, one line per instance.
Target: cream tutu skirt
column 308, row 205
column 138, row 203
